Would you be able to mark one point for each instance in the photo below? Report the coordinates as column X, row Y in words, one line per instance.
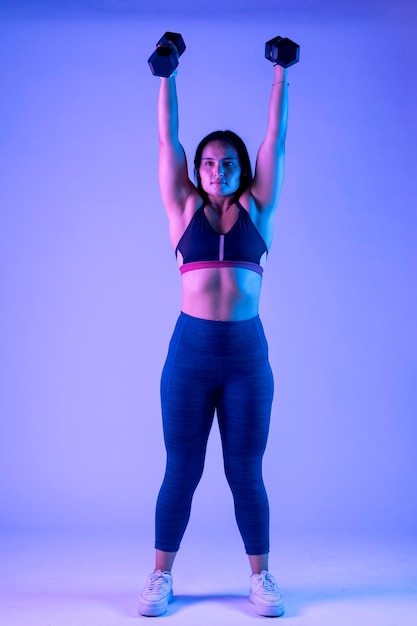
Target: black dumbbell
column 165, row 58
column 282, row 51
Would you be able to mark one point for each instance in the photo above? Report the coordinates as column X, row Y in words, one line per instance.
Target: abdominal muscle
column 224, row 294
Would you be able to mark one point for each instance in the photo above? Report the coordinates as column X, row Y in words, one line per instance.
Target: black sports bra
column 201, row 246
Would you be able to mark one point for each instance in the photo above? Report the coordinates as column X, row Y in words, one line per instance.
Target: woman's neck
column 220, row 205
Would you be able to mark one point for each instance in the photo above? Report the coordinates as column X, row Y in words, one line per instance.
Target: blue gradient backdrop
column 90, row 290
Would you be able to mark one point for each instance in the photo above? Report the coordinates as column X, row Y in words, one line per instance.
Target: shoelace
column 267, row 582
column 155, row 582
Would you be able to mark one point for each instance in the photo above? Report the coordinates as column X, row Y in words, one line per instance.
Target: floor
column 87, row 580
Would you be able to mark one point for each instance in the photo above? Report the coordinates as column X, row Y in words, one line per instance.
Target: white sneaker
column 265, row 595
column 156, row 595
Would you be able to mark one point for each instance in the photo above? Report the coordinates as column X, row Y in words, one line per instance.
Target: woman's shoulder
column 182, row 208
column 180, row 219
column 261, row 220
column 248, row 202
column 193, row 203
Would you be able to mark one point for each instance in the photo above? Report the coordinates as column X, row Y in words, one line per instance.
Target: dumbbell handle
column 170, row 45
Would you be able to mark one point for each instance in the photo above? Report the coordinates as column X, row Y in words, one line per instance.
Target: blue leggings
column 217, row 367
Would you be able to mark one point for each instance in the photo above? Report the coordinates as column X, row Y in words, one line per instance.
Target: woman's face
column 220, row 169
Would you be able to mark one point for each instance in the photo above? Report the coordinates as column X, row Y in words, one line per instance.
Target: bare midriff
column 223, row 294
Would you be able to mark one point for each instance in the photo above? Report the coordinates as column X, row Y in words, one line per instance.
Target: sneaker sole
column 154, row 609
column 267, row 611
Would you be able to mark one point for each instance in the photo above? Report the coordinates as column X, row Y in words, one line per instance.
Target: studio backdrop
column 90, row 290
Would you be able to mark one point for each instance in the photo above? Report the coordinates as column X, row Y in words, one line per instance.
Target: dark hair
column 234, row 140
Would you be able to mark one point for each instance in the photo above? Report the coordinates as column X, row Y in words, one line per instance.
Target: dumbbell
column 282, row 51
column 165, row 58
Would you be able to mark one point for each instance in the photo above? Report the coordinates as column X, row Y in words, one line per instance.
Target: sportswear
column 265, row 595
column 201, row 246
column 215, row 367
column 156, row 595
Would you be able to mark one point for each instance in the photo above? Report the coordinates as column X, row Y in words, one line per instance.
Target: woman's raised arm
column 173, row 173
column 269, row 169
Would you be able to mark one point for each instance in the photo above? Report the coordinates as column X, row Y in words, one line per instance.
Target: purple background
column 90, row 290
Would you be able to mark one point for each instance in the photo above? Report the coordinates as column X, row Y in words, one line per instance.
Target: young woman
column 221, row 231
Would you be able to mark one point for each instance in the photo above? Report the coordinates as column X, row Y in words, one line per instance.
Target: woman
column 221, row 231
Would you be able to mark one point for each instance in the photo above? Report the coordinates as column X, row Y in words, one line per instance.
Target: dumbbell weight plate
column 164, row 60
column 282, row 51
column 176, row 39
